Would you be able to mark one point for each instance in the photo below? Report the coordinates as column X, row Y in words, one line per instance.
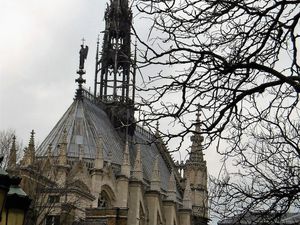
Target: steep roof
column 84, row 121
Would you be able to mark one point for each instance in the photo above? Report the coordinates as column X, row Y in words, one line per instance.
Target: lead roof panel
column 84, row 121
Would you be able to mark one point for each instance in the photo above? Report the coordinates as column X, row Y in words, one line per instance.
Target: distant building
column 94, row 169
column 260, row 218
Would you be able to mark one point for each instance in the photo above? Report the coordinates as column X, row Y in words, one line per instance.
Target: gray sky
column 40, row 41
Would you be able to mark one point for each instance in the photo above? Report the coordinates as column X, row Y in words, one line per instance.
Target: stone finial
column 155, row 178
column 31, row 141
column 137, row 170
column 31, row 147
column 29, row 152
column 187, row 202
column 62, row 158
column 196, row 154
column 99, row 160
column 172, row 188
column 12, row 160
column 125, row 168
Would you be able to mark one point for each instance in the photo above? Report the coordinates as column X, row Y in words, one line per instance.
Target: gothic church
column 97, row 166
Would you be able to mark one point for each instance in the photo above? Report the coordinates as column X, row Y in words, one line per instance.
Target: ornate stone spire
column 29, row 152
column 172, row 188
column 99, row 161
column 155, row 178
column 114, row 74
column 11, row 164
column 187, row 202
column 62, row 158
column 125, row 168
column 137, row 170
column 196, row 154
column 31, row 149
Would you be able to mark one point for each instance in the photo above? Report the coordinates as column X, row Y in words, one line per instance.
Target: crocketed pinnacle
column 155, row 178
column 196, row 154
column 137, row 170
column 31, row 149
column 62, row 158
column 125, row 168
column 99, row 161
column 172, row 188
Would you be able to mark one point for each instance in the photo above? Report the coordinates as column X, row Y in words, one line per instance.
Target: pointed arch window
column 104, row 200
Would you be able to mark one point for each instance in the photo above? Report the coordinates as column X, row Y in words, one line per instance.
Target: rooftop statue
column 82, row 55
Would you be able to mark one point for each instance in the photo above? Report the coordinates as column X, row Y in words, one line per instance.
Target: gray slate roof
column 84, row 121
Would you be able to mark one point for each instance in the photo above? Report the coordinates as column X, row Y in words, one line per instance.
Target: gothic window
column 103, row 200
column 53, row 198
column 116, row 43
column 52, row 220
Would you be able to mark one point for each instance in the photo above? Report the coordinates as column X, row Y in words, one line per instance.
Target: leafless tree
column 238, row 61
column 6, row 140
column 51, row 203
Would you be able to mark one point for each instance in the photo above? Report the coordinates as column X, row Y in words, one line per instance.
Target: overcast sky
column 40, row 41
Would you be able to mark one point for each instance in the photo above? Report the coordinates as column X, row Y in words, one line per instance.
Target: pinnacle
column 187, row 196
column 99, row 153
column 172, row 187
column 155, row 178
column 31, row 141
column 137, row 170
column 125, row 168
